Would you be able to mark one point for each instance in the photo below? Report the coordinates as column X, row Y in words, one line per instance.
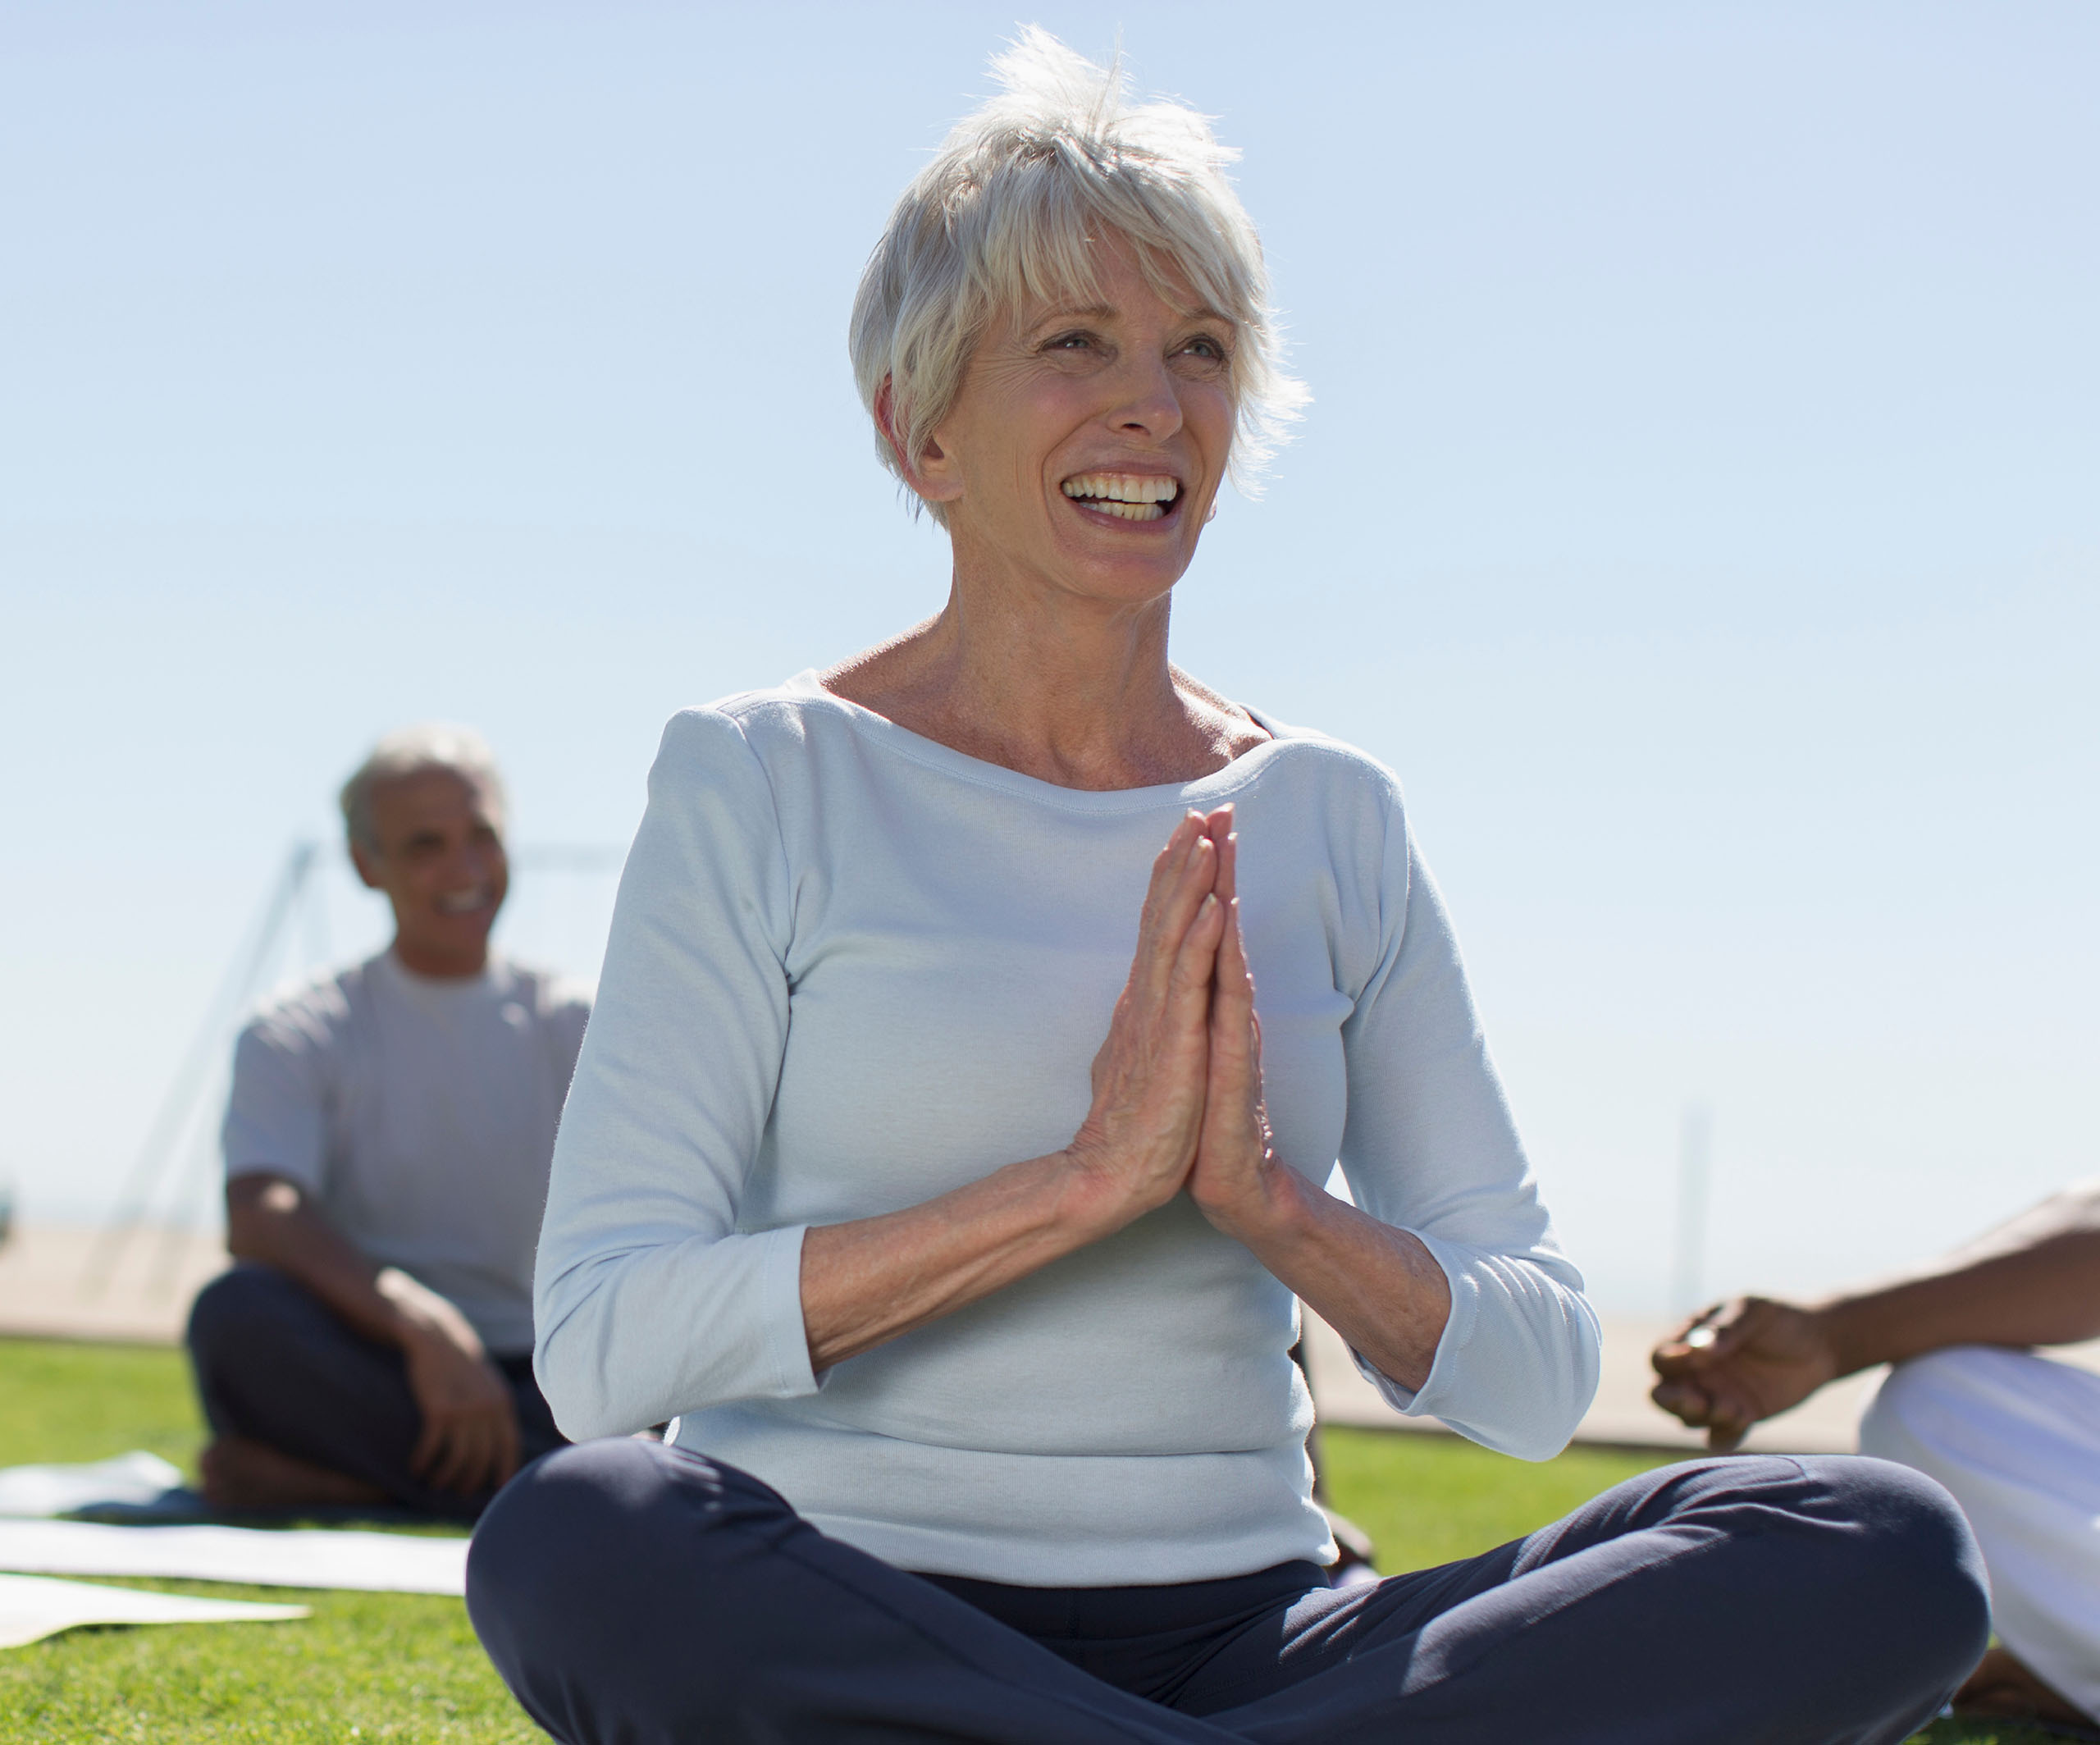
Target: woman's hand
column 1379, row 1287
column 1140, row 1135
column 1234, row 1174
column 871, row 1279
column 1177, row 1102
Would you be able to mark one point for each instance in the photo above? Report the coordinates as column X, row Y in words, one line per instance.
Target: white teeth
column 1130, row 496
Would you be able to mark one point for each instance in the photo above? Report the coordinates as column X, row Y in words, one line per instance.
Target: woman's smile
column 1125, row 496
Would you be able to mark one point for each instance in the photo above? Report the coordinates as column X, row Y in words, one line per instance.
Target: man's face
column 439, row 860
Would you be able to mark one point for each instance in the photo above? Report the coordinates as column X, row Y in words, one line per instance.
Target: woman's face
column 1089, row 440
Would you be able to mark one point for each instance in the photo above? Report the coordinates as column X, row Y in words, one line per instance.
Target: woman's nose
column 1147, row 401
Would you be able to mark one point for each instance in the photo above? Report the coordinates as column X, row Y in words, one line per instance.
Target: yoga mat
column 32, row 1607
column 135, row 1480
column 385, row 1563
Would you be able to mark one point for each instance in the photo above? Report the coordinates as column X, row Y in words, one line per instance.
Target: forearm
column 1379, row 1287
column 869, row 1281
column 2042, row 1291
column 268, row 1220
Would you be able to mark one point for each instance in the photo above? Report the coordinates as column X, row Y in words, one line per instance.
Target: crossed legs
column 305, row 1412
column 631, row 1591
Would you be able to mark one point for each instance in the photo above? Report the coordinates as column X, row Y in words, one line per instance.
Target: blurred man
column 387, row 1142
column 2015, row 1437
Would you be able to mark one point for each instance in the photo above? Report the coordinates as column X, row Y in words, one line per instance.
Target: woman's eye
column 1070, row 342
column 1205, row 346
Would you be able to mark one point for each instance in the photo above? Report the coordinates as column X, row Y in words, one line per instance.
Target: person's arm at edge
column 2033, row 1280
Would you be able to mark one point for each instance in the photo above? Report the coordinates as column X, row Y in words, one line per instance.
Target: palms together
column 1177, row 1085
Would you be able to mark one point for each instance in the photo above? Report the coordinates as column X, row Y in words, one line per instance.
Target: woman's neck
column 1076, row 693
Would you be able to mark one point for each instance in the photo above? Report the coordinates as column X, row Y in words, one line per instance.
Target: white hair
column 1005, row 214
column 412, row 751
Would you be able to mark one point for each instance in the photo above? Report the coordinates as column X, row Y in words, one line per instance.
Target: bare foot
column 241, row 1477
column 2002, row 1688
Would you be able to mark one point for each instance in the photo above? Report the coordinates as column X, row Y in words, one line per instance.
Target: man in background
column 2016, row 1436
column 387, row 1142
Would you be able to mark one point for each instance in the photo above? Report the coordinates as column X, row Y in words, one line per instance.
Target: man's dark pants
column 632, row 1592
column 274, row 1365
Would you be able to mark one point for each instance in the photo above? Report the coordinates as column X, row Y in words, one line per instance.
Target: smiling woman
column 933, row 1159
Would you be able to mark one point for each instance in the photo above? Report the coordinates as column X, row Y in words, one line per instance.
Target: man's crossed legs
column 303, row 1410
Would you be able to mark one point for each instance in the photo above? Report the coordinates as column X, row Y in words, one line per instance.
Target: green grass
column 1426, row 1500
column 69, row 1402
column 365, row 1666
column 380, row 1666
column 407, row 1667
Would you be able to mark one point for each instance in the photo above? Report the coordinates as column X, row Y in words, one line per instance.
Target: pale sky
column 1700, row 508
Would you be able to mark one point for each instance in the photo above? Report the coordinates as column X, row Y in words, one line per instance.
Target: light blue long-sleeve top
column 851, row 968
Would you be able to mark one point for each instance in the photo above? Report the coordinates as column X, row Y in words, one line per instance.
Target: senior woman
column 946, row 1154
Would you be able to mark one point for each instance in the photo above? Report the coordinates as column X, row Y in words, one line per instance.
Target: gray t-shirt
column 420, row 1115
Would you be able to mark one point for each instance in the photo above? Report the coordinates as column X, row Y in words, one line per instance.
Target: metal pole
column 177, row 1106
column 1695, row 1167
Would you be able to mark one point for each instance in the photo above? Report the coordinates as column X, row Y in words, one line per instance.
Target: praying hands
column 1176, row 1105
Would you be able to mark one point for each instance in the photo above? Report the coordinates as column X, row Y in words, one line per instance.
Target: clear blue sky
column 1700, row 508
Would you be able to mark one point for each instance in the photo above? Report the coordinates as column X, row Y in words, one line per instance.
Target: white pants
column 2017, row 1438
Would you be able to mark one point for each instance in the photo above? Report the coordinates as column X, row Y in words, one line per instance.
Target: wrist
column 423, row 1320
column 1269, row 1211
column 1847, row 1341
column 1091, row 1199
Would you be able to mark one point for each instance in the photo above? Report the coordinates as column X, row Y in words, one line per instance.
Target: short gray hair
column 411, row 750
column 1002, row 217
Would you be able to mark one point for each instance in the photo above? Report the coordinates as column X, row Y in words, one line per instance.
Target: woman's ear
column 931, row 474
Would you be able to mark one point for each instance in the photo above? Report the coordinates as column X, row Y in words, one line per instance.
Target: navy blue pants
column 274, row 1365
column 635, row 1593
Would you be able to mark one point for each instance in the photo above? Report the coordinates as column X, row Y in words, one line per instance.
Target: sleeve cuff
column 780, row 1287
column 1457, row 1329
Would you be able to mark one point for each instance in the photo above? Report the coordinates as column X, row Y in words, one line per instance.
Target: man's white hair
column 1004, row 217
column 412, row 751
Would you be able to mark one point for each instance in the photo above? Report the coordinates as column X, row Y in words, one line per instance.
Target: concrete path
column 57, row 1282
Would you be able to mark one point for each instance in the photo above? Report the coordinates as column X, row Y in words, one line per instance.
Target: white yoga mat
column 137, row 1478
column 32, row 1608
column 384, row 1563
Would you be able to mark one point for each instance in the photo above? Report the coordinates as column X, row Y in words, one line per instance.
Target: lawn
column 407, row 1667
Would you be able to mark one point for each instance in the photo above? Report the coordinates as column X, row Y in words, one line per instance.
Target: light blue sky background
column 1700, row 509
